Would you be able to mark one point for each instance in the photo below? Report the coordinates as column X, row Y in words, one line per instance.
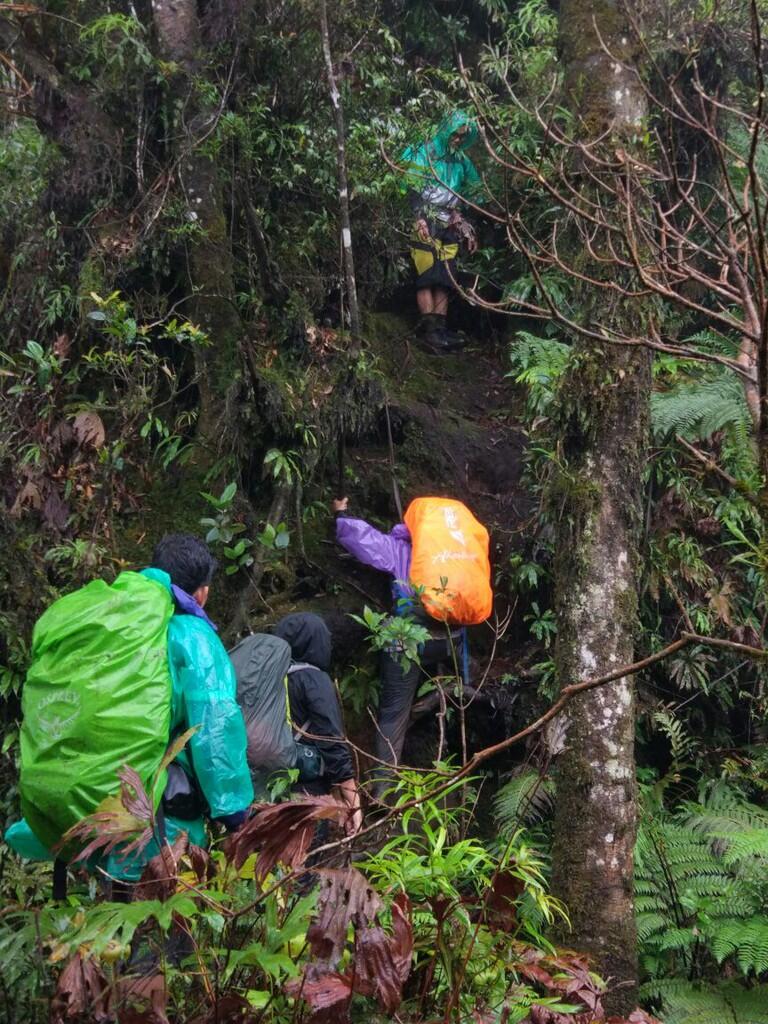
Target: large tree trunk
column 604, row 409
column 212, row 304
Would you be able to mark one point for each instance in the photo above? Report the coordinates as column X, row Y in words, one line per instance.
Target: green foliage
column 697, row 408
column 538, row 364
column 701, row 896
column 687, row 1002
column 224, row 531
column 446, row 875
column 542, row 624
column 401, row 635
column 525, row 799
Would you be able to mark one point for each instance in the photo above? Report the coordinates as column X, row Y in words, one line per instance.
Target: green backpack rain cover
column 97, row 696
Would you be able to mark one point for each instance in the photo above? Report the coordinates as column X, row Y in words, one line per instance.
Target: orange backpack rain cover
column 450, row 560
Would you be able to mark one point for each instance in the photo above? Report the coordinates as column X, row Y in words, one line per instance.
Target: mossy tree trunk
column 604, row 419
column 210, row 267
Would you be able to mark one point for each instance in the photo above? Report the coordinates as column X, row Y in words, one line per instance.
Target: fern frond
column 525, row 799
column 650, row 924
column 697, row 408
column 685, row 1002
column 746, row 940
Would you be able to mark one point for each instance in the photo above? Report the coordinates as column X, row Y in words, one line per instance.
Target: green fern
column 746, row 942
column 685, row 1002
column 696, row 408
column 702, row 885
column 524, row 800
column 538, row 363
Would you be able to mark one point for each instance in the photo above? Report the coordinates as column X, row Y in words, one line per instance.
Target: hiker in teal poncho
column 103, row 691
column 439, row 175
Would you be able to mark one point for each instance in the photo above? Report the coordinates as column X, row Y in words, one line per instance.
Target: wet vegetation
column 581, row 834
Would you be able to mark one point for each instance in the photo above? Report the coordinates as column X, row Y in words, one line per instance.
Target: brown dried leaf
column 89, row 429
column 402, row 935
column 55, row 510
column 81, row 992
column 159, row 878
column 62, row 343
column 344, row 896
column 500, row 907
column 28, row 497
column 375, row 971
column 720, row 601
column 328, row 995
column 176, row 747
column 142, row 1000
column 282, row 832
column 201, row 862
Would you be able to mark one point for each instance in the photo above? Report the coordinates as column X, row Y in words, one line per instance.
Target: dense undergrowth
column 447, row 915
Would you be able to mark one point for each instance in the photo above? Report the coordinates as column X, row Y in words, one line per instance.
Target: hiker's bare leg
column 440, row 301
column 424, row 301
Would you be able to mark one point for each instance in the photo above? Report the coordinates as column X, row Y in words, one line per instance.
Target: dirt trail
column 455, row 433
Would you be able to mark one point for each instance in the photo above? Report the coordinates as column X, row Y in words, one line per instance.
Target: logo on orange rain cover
column 450, row 560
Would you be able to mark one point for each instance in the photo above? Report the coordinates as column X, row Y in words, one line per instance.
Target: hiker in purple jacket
column 391, row 553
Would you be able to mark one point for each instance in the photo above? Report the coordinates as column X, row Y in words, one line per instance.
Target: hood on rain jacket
column 312, row 696
column 438, row 175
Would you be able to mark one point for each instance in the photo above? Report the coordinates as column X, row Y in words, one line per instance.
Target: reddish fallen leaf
column 282, row 832
column 160, row 875
column 500, row 908
column 535, row 973
column 376, row 973
column 402, row 935
column 382, row 961
column 327, row 994
column 344, row 896
column 81, row 992
column 201, row 863
column 124, row 820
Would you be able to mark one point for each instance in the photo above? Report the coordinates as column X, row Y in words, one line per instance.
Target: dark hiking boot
column 436, row 338
column 453, row 340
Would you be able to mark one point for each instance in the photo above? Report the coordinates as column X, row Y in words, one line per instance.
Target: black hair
column 186, row 559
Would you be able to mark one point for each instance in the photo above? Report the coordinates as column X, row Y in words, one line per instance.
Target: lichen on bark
column 603, row 423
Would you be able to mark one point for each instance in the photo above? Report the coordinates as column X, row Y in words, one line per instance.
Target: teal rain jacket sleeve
column 204, row 689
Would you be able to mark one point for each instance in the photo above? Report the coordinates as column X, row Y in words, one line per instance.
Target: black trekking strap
column 464, row 656
column 395, row 488
column 160, row 823
column 59, row 879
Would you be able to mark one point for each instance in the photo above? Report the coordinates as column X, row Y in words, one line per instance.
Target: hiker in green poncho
column 118, row 671
column 439, row 175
